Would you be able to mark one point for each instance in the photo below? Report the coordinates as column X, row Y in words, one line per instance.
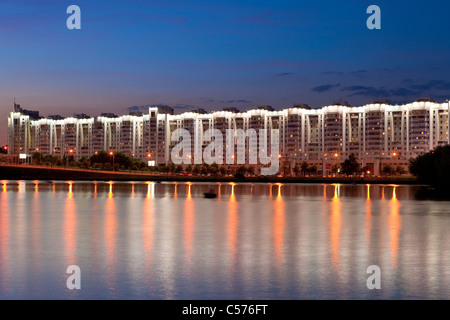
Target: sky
column 214, row 54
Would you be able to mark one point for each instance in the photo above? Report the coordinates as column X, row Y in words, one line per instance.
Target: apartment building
column 376, row 134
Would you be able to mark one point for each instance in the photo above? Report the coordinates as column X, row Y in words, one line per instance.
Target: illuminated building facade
column 376, row 134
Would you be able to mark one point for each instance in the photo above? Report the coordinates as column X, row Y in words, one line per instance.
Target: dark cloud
column 333, row 73
column 235, row 101
column 432, row 85
column 411, row 89
column 359, row 72
column 325, row 87
column 284, row 74
column 367, row 91
column 183, row 107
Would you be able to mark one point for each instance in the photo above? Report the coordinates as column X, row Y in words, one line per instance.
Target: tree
column 251, row 170
column 313, row 169
column 242, row 170
column 297, row 170
column 335, row 167
column 305, row 167
column 36, row 157
column 387, row 170
column 400, row 170
column 213, row 169
column 196, row 169
column 350, row 166
column 433, row 168
column 223, row 170
column 179, row 168
column 189, row 168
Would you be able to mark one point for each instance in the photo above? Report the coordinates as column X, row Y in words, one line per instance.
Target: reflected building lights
column 335, row 227
column 70, row 194
column 110, row 227
column 148, row 228
column 368, row 216
column 189, row 220
column 4, row 238
column 189, row 195
column 150, row 190
column 70, row 226
column 219, row 194
column 278, row 225
column 95, row 190
column 232, row 226
column 394, row 226
column 110, row 192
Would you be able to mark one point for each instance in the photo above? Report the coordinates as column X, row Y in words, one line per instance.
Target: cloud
column 235, row 101
column 183, row 107
column 432, row 84
column 284, row 74
column 333, row 73
column 367, row 91
column 411, row 90
column 325, row 87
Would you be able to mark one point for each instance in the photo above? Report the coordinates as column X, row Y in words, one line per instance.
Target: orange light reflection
column 278, row 225
column 394, row 226
column 335, row 227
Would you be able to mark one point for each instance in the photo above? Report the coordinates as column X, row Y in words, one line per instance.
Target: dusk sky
column 215, row 54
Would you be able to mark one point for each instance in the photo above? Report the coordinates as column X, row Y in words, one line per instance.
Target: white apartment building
column 376, row 134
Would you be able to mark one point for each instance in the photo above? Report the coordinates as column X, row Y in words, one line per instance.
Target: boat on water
column 210, row 194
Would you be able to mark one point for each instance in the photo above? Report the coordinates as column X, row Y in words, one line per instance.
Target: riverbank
column 28, row 172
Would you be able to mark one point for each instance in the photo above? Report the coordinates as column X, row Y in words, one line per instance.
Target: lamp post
column 395, row 155
column 112, row 154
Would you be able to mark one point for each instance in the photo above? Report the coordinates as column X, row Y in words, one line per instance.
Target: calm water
column 255, row 241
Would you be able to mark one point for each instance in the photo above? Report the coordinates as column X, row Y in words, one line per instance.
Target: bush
column 98, row 165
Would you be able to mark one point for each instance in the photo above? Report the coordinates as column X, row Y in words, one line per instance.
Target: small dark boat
column 210, row 194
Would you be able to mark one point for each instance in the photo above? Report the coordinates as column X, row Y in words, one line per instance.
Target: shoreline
column 31, row 172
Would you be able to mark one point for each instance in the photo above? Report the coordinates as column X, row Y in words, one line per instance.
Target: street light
column 112, row 154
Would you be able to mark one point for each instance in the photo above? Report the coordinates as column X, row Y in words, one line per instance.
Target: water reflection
column 189, row 221
column 70, row 226
column 335, row 227
column 232, row 226
column 165, row 240
column 394, row 226
column 278, row 226
column 5, row 227
column 110, row 227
